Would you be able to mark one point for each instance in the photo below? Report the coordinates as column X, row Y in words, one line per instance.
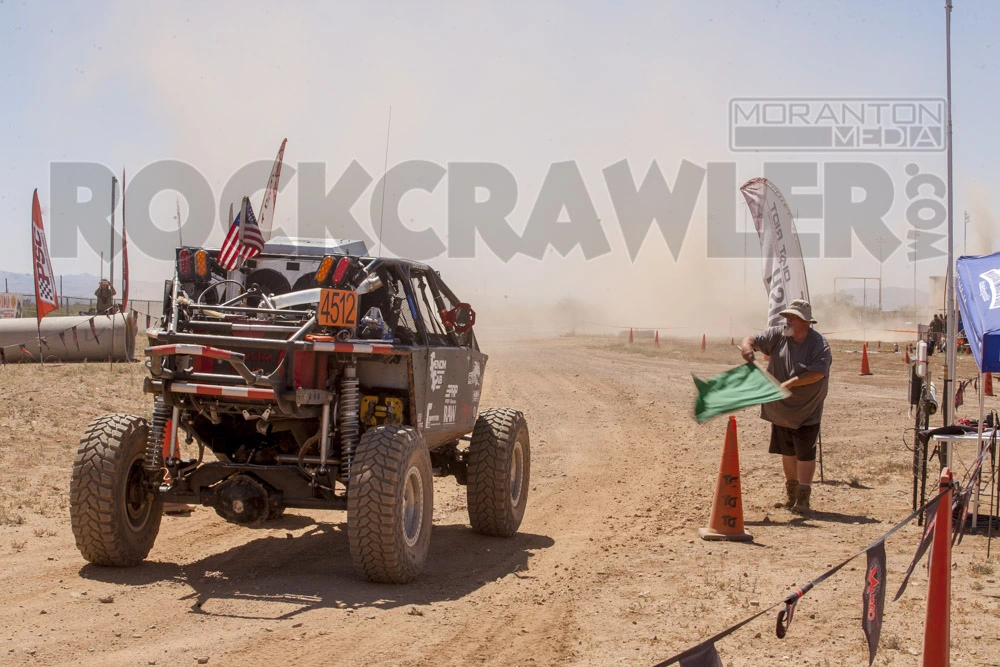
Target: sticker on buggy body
column 437, row 368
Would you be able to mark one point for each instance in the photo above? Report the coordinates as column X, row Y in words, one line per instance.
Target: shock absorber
column 159, row 430
column 347, row 419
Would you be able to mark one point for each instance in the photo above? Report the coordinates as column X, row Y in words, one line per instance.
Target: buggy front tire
column 390, row 504
column 114, row 513
column 499, row 471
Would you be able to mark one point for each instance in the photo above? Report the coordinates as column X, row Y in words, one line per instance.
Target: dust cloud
column 982, row 227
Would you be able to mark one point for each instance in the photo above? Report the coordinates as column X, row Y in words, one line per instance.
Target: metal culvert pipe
column 111, row 338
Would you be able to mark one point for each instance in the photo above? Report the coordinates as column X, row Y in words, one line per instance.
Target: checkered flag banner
column 46, row 298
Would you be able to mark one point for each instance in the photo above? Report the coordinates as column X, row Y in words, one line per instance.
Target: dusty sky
column 218, row 85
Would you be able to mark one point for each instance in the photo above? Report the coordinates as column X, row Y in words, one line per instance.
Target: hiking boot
column 792, row 491
column 801, row 505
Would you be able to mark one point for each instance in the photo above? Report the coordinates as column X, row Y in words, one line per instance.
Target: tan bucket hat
column 799, row 308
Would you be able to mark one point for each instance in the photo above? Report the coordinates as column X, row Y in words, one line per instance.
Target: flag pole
column 111, row 262
column 231, row 291
column 952, row 334
column 180, row 236
column 242, row 231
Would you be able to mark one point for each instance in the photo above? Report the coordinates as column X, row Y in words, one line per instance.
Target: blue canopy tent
column 978, row 291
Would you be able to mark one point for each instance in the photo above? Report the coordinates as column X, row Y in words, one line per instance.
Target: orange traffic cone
column 630, row 334
column 988, row 384
column 732, row 341
column 726, row 522
column 865, row 370
column 937, row 622
column 656, row 339
column 703, row 342
column 906, row 359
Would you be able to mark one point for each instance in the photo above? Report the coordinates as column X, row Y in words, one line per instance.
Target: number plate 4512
column 338, row 308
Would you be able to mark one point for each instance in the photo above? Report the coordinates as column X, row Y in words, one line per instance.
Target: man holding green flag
column 800, row 360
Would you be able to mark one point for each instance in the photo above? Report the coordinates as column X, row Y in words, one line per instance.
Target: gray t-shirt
column 788, row 359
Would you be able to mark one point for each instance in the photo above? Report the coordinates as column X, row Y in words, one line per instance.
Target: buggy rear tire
column 499, row 471
column 114, row 514
column 390, row 504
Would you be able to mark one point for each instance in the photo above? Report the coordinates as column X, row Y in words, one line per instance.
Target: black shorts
column 798, row 442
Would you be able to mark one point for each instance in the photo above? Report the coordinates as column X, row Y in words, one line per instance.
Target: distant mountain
column 78, row 285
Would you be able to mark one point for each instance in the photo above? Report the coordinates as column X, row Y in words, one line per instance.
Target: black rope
column 791, row 600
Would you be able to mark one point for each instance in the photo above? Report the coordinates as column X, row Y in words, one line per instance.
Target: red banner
column 124, row 251
column 46, row 299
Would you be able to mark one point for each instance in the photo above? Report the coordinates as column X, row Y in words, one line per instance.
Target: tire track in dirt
column 607, row 567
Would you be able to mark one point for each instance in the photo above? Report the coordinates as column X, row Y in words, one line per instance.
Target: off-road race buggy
column 316, row 377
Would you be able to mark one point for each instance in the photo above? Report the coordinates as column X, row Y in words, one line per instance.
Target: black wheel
column 269, row 282
column 390, row 504
column 114, row 514
column 499, row 470
column 308, row 281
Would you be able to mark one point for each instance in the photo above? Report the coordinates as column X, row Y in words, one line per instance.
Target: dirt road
column 608, row 567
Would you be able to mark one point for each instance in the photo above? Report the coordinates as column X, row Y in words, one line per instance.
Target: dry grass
column 980, row 569
column 44, row 411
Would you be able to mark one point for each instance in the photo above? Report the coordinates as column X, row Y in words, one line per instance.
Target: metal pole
column 949, row 369
column 111, row 260
column 180, row 235
column 880, row 239
column 916, row 249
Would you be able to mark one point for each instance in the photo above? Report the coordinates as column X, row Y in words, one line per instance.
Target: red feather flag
column 124, row 251
column 46, row 299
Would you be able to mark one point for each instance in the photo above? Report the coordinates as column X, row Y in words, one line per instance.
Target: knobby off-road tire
column 115, row 517
column 499, row 471
column 390, row 504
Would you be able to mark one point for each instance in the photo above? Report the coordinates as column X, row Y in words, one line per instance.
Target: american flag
column 233, row 252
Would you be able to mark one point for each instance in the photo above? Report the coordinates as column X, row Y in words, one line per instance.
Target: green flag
column 737, row 388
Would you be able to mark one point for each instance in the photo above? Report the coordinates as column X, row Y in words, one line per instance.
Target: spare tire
column 269, row 282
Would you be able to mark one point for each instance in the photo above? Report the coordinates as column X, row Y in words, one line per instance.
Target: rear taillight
column 342, row 266
column 323, row 272
column 185, row 264
column 201, row 263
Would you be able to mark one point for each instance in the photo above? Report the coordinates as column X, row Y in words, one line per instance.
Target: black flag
column 704, row 655
column 873, row 598
column 925, row 541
